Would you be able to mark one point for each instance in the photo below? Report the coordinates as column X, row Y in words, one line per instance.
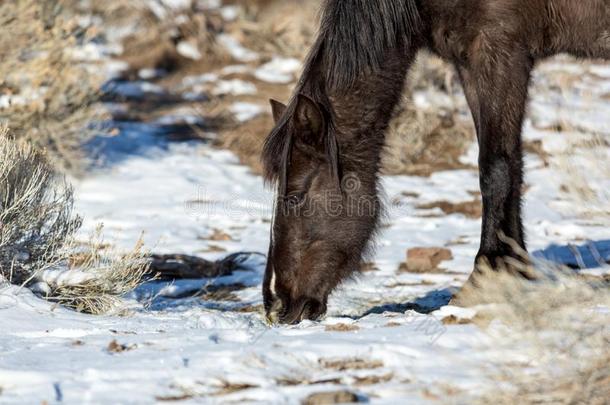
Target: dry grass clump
column 419, row 143
column 247, row 141
column 37, row 228
column 433, row 136
column 273, row 27
column 97, row 278
column 553, row 334
column 46, row 96
column 585, row 165
column 571, row 111
column 36, row 217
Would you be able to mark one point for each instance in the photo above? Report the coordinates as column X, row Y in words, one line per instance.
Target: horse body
column 459, row 30
column 332, row 132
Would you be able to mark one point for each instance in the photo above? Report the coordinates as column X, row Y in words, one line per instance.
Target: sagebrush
column 38, row 245
column 47, row 96
column 36, row 211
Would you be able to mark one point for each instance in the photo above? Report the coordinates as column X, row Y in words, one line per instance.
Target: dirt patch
column 470, row 209
column 373, row 379
column 341, row 327
column 219, row 236
column 331, row 397
column 350, row 364
column 454, row 320
column 213, row 249
column 174, row 398
column 230, row 388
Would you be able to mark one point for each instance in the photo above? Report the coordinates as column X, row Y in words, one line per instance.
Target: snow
column 188, row 50
column 234, row 87
column 148, row 74
column 190, row 81
column 236, row 49
column 245, row 111
column 230, row 13
column 232, row 69
column 278, row 70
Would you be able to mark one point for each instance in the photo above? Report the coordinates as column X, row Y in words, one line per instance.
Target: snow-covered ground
column 383, row 338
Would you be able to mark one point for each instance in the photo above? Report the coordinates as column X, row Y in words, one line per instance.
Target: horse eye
column 294, row 200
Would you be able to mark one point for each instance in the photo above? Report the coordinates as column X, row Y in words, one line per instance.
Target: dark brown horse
column 324, row 153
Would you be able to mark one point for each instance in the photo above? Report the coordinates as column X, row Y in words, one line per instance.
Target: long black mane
column 353, row 39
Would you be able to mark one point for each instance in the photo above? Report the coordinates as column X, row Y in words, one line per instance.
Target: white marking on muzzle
column 272, row 283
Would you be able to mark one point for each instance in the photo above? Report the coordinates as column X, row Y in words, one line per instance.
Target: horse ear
column 277, row 109
column 309, row 120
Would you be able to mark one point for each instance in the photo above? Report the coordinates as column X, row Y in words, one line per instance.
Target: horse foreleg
column 497, row 96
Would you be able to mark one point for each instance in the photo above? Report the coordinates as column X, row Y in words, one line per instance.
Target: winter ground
column 384, row 339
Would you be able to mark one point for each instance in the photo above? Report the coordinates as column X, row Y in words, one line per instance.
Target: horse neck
column 361, row 113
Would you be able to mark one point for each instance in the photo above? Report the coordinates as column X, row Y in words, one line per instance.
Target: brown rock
column 422, row 260
column 116, row 347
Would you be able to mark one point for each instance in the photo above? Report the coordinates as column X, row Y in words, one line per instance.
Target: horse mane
column 358, row 33
column 353, row 39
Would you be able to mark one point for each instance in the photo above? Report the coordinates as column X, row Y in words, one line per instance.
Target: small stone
column 422, row 260
column 116, row 347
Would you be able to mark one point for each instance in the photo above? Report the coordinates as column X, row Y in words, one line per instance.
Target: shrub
column 47, row 96
column 37, row 238
column 94, row 279
column 36, row 217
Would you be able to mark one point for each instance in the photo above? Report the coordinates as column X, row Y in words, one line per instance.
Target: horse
column 323, row 154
